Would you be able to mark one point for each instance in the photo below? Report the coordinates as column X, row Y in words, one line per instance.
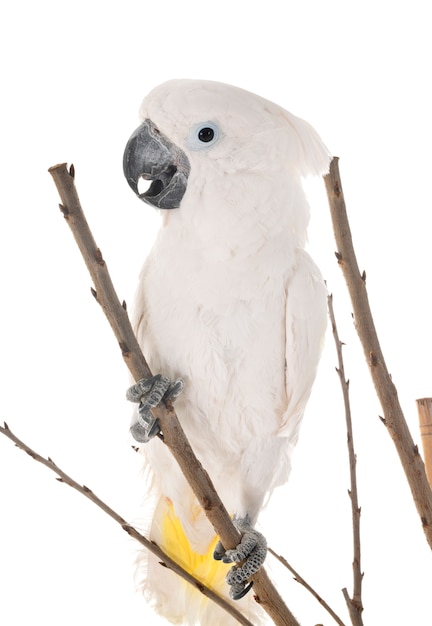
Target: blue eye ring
column 204, row 136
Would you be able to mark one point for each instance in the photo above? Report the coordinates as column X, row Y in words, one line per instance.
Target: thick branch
column 174, row 437
column 88, row 493
column 355, row 604
column 386, row 391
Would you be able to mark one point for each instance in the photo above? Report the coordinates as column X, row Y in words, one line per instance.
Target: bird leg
column 250, row 554
column 149, row 392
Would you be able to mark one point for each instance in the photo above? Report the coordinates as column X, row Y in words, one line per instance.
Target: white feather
column 229, row 300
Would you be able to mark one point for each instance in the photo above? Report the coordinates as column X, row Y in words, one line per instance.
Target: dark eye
column 203, row 136
column 206, row 134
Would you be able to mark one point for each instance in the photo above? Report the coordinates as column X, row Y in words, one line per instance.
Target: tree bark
column 173, row 435
column 154, row 548
column 386, row 391
column 355, row 604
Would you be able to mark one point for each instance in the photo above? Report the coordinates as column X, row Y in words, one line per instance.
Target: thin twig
column 153, row 547
column 355, row 604
column 394, row 419
column 306, row 585
column 174, row 437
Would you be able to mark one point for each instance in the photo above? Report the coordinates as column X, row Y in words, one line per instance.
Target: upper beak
column 149, row 154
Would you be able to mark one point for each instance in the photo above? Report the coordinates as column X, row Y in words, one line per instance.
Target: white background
column 72, row 77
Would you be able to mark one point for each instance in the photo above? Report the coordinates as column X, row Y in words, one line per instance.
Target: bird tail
column 171, row 596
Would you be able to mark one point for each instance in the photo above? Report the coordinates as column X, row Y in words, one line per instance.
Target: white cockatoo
column 231, row 311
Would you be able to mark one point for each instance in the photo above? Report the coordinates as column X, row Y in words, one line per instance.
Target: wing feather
column 306, row 321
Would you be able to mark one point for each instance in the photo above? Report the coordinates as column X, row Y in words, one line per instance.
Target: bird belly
column 226, row 338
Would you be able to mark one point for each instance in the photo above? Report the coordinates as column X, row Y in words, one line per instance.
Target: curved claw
column 239, row 590
column 251, row 553
column 219, row 552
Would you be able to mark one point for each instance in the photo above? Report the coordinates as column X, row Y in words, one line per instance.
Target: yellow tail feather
column 210, row 572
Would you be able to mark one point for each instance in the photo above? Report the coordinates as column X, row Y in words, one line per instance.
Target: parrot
column 230, row 312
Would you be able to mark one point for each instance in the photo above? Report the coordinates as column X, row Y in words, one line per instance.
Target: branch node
column 99, row 257
column 124, row 349
column 72, row 170
column 207, row 505
column 373, row 358
column 363, row 276
column 337, row 188
column 339, row 257
column 200, row 587
column 124, row 305
column 94, row 293
column 64, row 210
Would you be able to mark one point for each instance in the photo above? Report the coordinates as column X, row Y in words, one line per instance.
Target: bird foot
column 149, row 392
column 249, row 554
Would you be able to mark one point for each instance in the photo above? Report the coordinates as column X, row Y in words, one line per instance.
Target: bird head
column 191, row 127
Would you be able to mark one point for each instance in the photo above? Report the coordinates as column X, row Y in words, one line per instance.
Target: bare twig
column 355, row 604
column 174, row 437
column 424, row 408
column 306, row 585
column 386, row 391
column 88, row 493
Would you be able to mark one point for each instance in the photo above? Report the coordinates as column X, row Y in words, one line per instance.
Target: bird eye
column 203, row 136
column 206, row 134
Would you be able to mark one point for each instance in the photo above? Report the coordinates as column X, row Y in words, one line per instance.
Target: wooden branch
column 173, row 435
column 386, row 391
column 306, row 585
column 150, row 545
column 424, row 408
column 355, row 604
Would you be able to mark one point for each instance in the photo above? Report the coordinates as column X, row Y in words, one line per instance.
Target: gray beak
column 149, row 154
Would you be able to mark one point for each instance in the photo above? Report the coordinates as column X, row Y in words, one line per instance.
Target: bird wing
column 306, row 321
